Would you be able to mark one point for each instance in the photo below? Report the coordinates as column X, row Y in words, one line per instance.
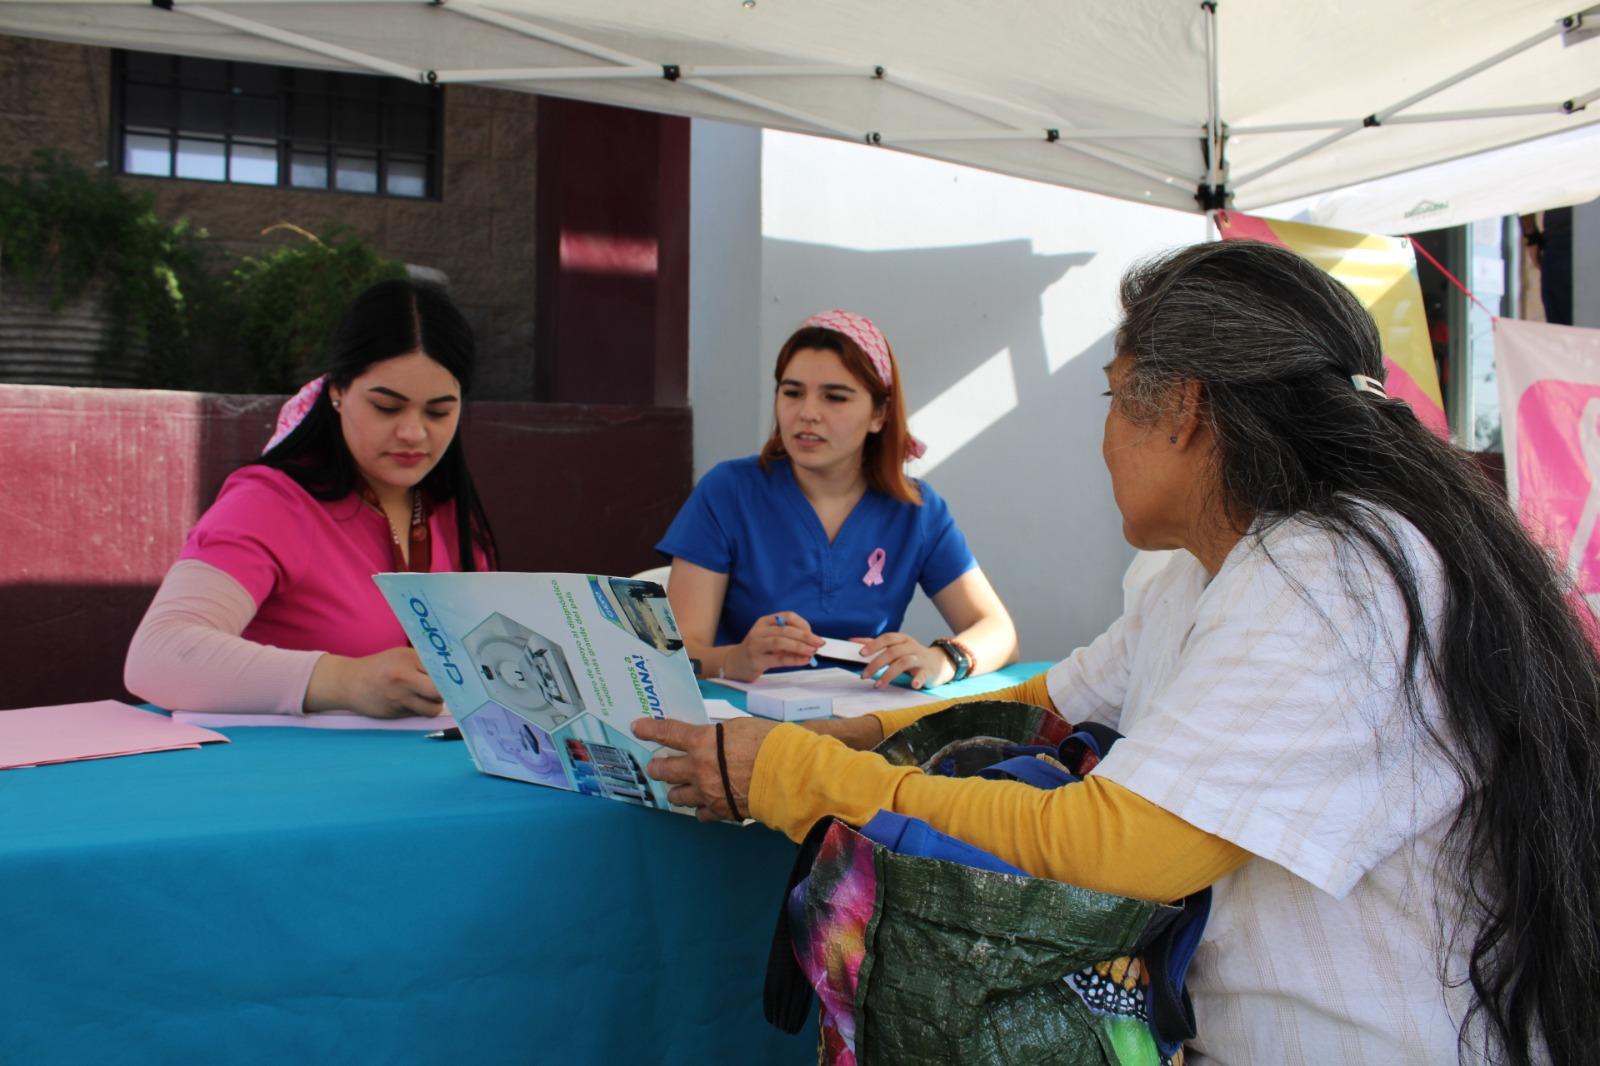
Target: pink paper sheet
column 34, row 736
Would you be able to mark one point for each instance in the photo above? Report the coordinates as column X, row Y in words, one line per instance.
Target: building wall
column 999, row 296
column 480, row 232
column 613, row 255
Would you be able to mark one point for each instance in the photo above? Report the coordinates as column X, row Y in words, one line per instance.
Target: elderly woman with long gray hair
column 1359, row 702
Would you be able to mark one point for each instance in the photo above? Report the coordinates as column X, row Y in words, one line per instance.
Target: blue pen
column 778, row 618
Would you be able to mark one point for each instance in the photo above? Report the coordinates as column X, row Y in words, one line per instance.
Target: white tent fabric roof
column 1538, row 175
column 1111, row 96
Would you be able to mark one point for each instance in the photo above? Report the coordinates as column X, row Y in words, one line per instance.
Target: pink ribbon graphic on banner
column 874, row 574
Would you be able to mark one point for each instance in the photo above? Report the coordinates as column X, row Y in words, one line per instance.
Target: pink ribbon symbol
column 874, row 574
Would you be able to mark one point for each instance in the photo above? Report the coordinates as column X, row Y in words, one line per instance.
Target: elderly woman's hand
column 696, row 776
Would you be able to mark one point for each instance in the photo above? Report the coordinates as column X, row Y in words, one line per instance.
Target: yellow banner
column 1382, row 272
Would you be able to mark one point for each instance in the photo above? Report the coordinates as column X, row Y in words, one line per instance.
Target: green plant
column 290, row 299
column 64, row 229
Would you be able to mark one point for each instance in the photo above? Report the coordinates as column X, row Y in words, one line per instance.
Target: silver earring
column 1170, row 440
column 336, row 407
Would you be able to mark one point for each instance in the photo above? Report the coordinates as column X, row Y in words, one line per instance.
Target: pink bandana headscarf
column 871, row 340
column 292, row 413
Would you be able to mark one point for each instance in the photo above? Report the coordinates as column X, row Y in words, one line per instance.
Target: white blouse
column 1263, row 705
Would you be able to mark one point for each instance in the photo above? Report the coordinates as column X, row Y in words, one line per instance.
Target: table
column 318, row 896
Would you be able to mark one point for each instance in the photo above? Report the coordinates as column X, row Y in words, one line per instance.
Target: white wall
column 999, row 296
column 1586, row 265
column 726, row 377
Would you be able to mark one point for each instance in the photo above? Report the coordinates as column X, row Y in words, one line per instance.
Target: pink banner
column 1549, row 380
column 1382, row 272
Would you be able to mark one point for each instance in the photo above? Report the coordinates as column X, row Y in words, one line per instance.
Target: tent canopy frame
column 996, row 120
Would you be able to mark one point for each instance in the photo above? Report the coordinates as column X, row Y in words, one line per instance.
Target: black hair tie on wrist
column 727, row 785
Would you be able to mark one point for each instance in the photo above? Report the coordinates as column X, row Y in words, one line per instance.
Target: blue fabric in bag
column 913, row 836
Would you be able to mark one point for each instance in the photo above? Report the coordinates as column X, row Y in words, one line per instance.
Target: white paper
column 846, row 650
column 723, row 711
column 852, row 695
column 319, row 720
column 888, row 699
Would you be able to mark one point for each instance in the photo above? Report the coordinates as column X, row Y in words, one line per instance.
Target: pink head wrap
column 870, row 339
column 292, row 413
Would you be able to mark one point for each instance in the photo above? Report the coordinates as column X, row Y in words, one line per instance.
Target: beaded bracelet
column 727, row 783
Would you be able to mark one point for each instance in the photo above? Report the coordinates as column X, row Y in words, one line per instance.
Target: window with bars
column 252, row 124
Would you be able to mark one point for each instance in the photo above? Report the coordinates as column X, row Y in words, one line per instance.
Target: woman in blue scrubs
column 823, row 535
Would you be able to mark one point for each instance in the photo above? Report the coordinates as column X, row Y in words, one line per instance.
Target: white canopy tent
column 1553, row 171
column 1179, row 103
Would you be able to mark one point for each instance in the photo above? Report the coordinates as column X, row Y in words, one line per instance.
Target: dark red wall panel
column 612, row 255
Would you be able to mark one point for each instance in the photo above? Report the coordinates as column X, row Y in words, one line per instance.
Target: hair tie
column 1366, row 384
column 727, row 783
column 294, row 411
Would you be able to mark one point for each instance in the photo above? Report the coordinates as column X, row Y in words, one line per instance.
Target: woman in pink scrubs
column 271, row 605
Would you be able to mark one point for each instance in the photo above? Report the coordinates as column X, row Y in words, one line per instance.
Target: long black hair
column 1273, row 342
column 392, row 318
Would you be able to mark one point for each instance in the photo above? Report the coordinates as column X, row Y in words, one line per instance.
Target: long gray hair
column 1273, row 342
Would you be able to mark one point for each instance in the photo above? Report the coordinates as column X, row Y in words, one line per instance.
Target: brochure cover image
column 544, row 673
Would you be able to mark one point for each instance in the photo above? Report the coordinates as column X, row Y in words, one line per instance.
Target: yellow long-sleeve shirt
column 1095, row 833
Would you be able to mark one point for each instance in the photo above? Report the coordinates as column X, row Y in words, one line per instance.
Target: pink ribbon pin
column 874, row 574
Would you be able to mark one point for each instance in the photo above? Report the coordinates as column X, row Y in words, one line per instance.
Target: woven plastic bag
column 928, row 960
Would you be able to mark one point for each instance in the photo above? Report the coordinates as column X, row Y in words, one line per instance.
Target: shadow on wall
column 1012, row 415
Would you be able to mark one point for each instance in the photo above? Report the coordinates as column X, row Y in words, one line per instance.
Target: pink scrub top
column 308, row 563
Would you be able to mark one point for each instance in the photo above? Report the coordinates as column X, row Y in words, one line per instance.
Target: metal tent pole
column 1563, row 107
column 1212, row 195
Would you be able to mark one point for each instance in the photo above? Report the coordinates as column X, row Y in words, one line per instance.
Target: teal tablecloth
column 302, row 896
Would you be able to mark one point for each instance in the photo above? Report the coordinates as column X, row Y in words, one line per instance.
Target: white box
column 789, row 703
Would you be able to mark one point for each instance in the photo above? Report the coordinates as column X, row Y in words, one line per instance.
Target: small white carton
column 789, row 703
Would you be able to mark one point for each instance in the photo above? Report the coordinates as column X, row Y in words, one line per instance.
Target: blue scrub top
column 757, row 527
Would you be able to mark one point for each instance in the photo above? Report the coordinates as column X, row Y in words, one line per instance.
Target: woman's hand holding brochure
column 712, row 771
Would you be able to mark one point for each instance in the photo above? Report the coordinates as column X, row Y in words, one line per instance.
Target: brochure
column 544, row 673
